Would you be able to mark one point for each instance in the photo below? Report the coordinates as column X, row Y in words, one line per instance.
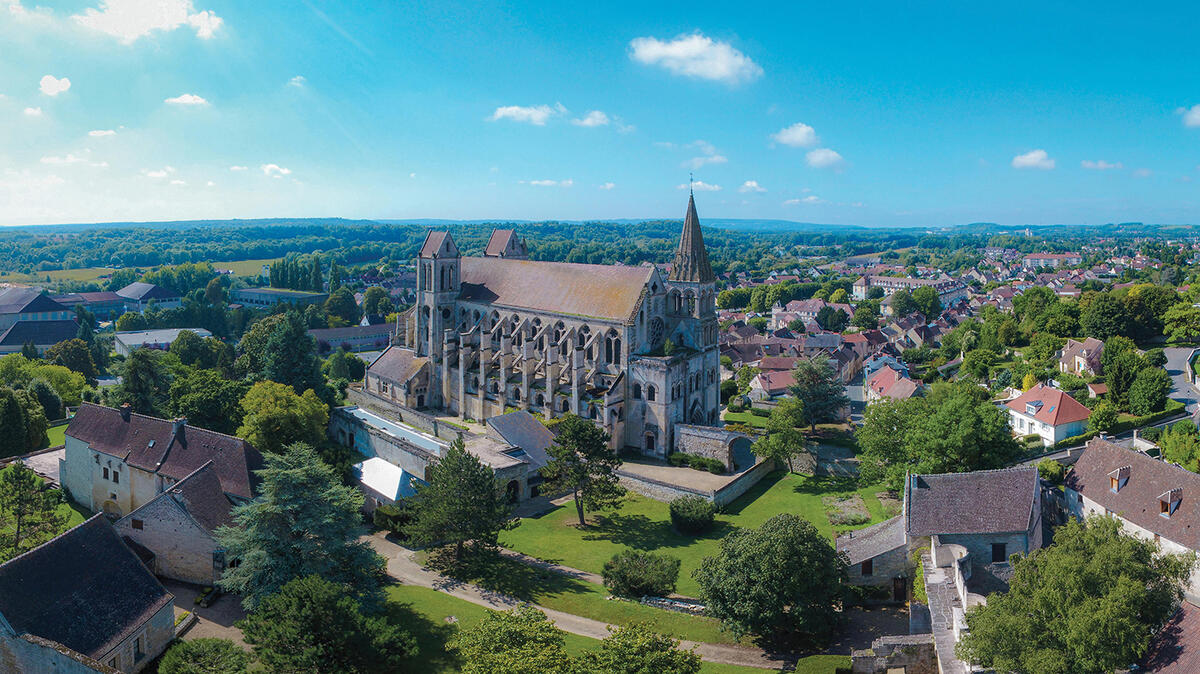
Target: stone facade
column 27, row 653
column 182, row 549
column 143, row 646
column 910, row 654
column 712, row 443
column 884, row 568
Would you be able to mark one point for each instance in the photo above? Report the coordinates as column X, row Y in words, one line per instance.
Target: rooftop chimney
column 126, row 409
column 177, row 426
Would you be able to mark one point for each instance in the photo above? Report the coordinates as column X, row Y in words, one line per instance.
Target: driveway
column 1176, row 366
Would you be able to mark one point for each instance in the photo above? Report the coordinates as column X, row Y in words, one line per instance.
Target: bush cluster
column 696, row 462
column 692, row 514
column 392, row 518
column 634, row 573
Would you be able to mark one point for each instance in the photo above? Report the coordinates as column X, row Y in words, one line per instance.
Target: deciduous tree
column 209, row 400
column 74, row 355
column 638, row 649
column 1149, row 391
column 783, row 440
column 519, row 641
column 582, row 463
column 1103, row 418
column 1104, row 317
column 145, row 383
column 273, row 416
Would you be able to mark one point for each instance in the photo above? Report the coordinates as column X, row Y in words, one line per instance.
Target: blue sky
column 873, row 114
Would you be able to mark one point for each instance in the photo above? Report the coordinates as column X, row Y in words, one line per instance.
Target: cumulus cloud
column 593, row 118
column 796, row 135
column 53, row 86
column 810, row 199
column 297, row 81
column 1191, row 116
column 99, row 133
column 129, row 20
column 608, row 186
column 178, row 182
column 33, row 112
column 238, row 168
column 700, row 186
column 159, row 173
column 698, row 56
column 751, row 186
column 710, row 155
column 534, row 114
column 548, row 183
column 1100, row 165
column 275, row 170
column 186, row 99
column 1034, row 159
column 823, row 157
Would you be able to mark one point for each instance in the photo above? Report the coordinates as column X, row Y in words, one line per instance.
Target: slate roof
column 41, row 333
column 980, row 502
column 433, row 243
column 143, row 292
column 201, row 495
column 84, row 589
column 776, row 382
column 1056, row 407
column 71, row 299
column 1176, row 647
column 1137, row 500
column 19, row 300
column 1093, row 347
column 397, row 364
column 872, row 541
column 521, row 429
column 610, row 292
column 691, row 259
column 152, row 444
column 499, row 241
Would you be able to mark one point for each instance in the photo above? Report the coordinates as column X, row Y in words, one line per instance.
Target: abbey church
column 621, row 345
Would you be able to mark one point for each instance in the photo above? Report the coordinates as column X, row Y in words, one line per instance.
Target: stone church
column 622, row 345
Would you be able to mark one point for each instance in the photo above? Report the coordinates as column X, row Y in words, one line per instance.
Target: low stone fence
column 908, row 653
column 389, row 410
column 666, row 491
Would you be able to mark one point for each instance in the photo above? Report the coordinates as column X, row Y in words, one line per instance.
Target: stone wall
column 156, row 634
column 911, row 654
column 390, row 410
column 665, row 491
column 28, row 653
column 980, row 545
column 730, row 492
column 891, row 564
column 182, row 549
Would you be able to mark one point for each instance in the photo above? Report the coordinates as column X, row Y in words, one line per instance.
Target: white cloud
column 593, row 118
column 796, row 135
column 186, row 99
column 297, row 81
column 238, row 168
column 1191, row 116
column 810, row 199
column 823, row 157
column 697, row 56
column 128, row 20
column 751, row 186
column 1035, row 159
column 275, row 170
column 711, row 156
column 53, row 86
column 608, row 186
column 1100, row 165
column 211, row 184
column 548, row 183
column 178, row 182
column 33, row 112
column 71, row 158
column 1143, row 173
column 412, row 175
column 98, row 133
column 700, row 186
column 534, row 114
column 159, row 173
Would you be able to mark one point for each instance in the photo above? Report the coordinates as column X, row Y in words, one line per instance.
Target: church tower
column 437, row 290
column 694, row 285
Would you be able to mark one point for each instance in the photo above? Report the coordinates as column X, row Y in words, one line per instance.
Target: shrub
column 1051, row 471
column 1151, row 433
column 735, row 407
column 634, row 573
column 759, row 412
column 678, row 459
column 391, row 518
column 692, row 514
column 696, row 462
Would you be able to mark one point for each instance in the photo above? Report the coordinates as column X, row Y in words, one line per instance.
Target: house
column 768, row 385
column 1097, row 389
column 117, row 460
column 178, row 526
column 354, row 338
column 891, row 383
column 265, row 298
column 1081, row 358
column 20, row 303
column 125, row 343
column 878, row 555
column 1153, row 499
column 1047, row 412
column 42, row 334
column 80, row 602
column 138, row 297
column 399, row 375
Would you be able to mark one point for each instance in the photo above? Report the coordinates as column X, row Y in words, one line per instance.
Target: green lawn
column 645, row 524
column 75, row 514
column 244, row 267
column 85, row 274
column 57, row 435
column 746, row 418
column 426, row 611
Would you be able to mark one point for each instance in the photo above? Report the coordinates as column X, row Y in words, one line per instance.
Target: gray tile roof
column 41, row 333
column 18, row 300
column 142, row 292
column 521, row 429
column 984, row 501
column 872, row 541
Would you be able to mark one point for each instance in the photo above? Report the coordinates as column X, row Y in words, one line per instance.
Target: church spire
column 691, row 260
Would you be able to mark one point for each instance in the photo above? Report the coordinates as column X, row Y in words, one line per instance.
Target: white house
column 1047, row 412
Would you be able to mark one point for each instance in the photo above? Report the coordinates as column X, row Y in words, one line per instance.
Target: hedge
column 1173, row 407
column 634, row 573
column 696, row 462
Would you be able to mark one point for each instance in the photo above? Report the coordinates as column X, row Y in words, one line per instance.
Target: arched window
column 566, row 406
column 650, row 392
column 517, row 394
column 541, row 400
column 637, row 391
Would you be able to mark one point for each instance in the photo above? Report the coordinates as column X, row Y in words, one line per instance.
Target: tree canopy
column 273, row 417
column 820, row 391
column 582, row 463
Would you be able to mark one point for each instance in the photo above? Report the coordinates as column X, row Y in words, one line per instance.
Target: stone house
column 1081, row 358
column 1047, row 412
column 178, row 527
column 891, row 383
column 1154, row 500
column 82, row 601
column 116, row 460
column 878, row 555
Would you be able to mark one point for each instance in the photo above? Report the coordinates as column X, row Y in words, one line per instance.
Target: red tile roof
column 1055, row 406
column 1176, row 647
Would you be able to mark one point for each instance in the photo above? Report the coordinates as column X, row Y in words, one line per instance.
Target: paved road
column 1176, row 367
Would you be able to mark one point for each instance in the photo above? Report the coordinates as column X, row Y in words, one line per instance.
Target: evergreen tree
column 145, row 383
column 50, row 400
column 461, row 503
column 821, row 392
column 204, row 656
column 290, row 356
column 29, row 350
column 36, row 423
column 299, row 493
column 335, row 276
column 580, row 461
column 14, row 423
column 315, row 281
column 29, row 514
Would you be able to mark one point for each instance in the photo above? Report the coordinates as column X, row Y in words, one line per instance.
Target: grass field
column 86, row 274
column 746, row 418
column 645, row 524
column 426, row 613
column 57, row 435
column 244, row 267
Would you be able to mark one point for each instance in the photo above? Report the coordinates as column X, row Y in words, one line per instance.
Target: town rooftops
column 609, row 292
column 20, row 300
column 1142, row 484
column 164, row 336
column 42, row 333
column 170, row 448
column 144, row 292
column 870, row 542
column 84, row 589
column 1049, row 406
column 1176, row 647
column 980, row 502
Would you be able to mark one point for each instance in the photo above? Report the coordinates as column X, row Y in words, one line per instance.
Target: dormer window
column 1169, row 502
column 1118, row 478
column 1032, row 408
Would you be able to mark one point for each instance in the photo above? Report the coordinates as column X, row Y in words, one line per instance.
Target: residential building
column 1047, row 412
column 1082, row 358
column 878, row 555
column 82, row 599
column 1154, row 500
column 265, row 298
column 105, row 306
column 949, row 290
column 138, row 297
column 125, row 343
column 20, row 303
column 354, row 338
column 891, row 383
column 117, row 460
column 1052, row 260
column 42, row 334
column 179, row 528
